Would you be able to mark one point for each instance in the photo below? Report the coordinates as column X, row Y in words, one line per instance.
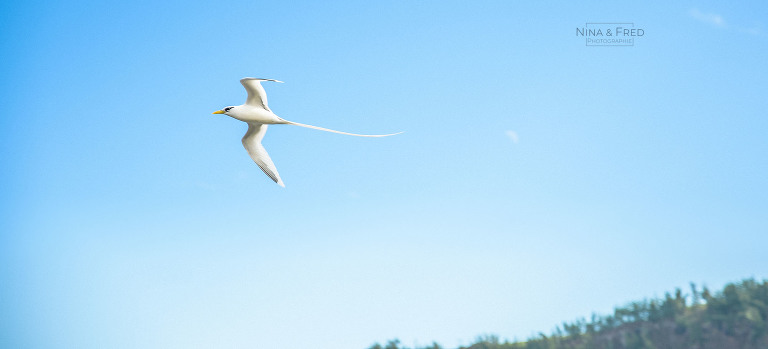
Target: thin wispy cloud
column 710, row 18
column 754, row 30
column 717, row 20
column 512, row 136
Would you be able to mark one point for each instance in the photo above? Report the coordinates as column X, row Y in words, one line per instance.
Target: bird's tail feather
column 334, row 131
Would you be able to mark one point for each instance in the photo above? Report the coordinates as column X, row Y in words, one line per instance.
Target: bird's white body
column 248, row 113
column 256, row 113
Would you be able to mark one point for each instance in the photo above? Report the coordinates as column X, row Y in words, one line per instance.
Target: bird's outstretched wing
column 252, row 143
column 257, row 97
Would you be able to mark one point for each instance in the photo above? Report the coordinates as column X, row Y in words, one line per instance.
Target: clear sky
column 538, row 180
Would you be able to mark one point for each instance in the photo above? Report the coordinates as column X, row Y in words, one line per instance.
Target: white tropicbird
column 258, row 116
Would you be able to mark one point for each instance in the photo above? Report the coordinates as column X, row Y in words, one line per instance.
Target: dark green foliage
column 395, row 344
column 736, row 317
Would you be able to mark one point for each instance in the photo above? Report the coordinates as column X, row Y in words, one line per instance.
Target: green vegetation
column 736, row 317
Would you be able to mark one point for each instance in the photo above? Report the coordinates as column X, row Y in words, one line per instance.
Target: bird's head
column 224, row 111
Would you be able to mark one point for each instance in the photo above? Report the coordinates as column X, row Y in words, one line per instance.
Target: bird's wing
column 252, row 143
column 257, row 97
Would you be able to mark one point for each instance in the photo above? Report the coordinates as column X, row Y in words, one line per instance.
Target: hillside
column 734, row 318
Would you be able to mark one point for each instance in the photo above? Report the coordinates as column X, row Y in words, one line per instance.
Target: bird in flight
column 256, row 113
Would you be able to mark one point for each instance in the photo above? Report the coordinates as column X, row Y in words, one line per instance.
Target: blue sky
column 538, row 180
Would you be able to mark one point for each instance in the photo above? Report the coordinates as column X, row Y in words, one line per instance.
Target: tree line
column 735, row 317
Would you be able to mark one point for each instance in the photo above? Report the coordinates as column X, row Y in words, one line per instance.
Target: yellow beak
column 219, row 112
